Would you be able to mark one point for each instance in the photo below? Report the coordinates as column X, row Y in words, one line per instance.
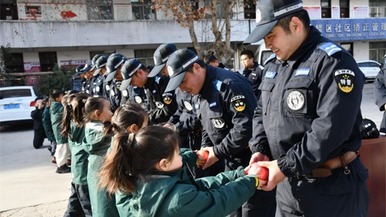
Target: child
column 48, row 127
column 79, row 200
column 96, row 142
column 62, row 150
column 148, row 166
column 128, row 118
column 36, row 116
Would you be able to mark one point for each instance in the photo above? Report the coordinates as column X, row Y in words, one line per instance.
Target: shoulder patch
column 330, row 48
column 345, row 80
column 238, row 103
column 167, row 98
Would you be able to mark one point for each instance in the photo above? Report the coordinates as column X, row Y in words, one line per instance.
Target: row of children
column 47, row 121
column 122, row 167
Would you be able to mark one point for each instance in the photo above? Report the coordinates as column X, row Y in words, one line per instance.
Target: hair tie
column 131, row 139
column 84, row 101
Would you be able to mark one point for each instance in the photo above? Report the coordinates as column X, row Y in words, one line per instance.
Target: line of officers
column 120, row 79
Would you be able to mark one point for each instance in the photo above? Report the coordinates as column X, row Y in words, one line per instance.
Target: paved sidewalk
column 52, row 209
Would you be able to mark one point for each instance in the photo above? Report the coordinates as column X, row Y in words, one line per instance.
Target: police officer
column 226, row 110
column 98, row 78
column 161, row 105
column 252, row 70
column 380, row 95
column 85, row 72
column 308, row 117
column 113, row 79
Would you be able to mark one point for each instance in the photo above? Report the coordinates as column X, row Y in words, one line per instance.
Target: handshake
column 260, row 172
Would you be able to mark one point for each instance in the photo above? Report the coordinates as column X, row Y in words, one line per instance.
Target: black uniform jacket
column 226, row 110
column 380, row 96
column 164, row 104
column 255, row 75
column 185, row 118
column 309, row 110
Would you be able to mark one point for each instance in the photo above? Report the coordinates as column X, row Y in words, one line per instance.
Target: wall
column 359, row 47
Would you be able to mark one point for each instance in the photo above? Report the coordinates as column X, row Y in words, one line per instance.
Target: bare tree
column 217, row 13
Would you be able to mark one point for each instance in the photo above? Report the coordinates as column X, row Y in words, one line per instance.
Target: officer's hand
column 211, row 158
column 275, row 175
column 258, row 156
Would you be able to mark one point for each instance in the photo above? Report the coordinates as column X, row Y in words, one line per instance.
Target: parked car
column 370, row 68
column 16, row 103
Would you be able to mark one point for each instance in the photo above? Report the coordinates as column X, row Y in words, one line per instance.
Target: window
column 348, row 46
column 326, row 8
column 344, row 8
column 145, row 56
column 377, row 51
column 99, row 9
column 142, row 10
column 15, row 93
column 8, row 10
column 14, row 62
column 47, row 61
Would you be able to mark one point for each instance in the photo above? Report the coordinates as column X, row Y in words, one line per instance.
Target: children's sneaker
column 63, row 169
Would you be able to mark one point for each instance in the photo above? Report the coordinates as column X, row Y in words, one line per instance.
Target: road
column 29, row 185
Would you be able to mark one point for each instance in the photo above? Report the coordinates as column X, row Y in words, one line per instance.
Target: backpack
column 369, row 129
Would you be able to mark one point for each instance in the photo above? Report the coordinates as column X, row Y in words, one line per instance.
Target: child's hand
column 202, row 157
column 260, row 172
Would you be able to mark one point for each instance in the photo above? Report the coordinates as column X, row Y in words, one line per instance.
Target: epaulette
column 157, row 79
column 270, row 58
column 329, row 47
column 219, row 85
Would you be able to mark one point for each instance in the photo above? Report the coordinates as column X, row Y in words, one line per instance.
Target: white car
column 16, row 103
column 370, row 68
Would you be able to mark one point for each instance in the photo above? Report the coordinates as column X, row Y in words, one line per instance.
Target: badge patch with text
column 345, row 80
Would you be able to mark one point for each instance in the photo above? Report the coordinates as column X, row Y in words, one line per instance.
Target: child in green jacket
column 73, row 127
column 148, row 165
column 96, row 142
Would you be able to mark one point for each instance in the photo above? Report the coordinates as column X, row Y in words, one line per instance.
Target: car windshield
column 15, row 93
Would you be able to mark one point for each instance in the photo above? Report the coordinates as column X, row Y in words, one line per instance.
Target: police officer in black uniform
column 161, row 105
column 113, row 79
column 252, row 70
column 87, row 73
column 79, row 79
column 308, row 117
column 226, row 110
column 380, row 95
column 98, row 76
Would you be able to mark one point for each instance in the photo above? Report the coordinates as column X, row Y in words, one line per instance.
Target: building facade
column 41, row 33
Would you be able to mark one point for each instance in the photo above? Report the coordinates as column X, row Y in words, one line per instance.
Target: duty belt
column 341, row 161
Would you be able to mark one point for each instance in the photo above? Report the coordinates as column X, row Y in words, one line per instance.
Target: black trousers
column 339, row 195
column 39, row 136
column 78, row 202
column 262, row 203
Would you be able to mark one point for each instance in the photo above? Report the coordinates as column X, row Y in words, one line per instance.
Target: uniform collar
column 208, row 83
column 309, row 44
